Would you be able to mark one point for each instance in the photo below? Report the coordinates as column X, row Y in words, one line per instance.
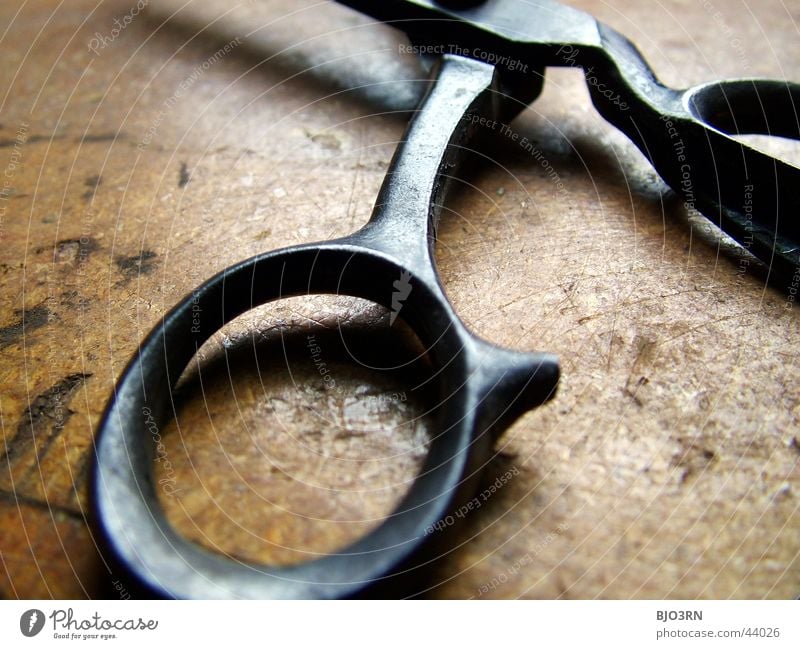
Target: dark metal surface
column 482, row 388
column 684, row 133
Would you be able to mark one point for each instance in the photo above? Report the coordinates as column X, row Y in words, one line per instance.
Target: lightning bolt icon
column 402, row 290
column 32, row 620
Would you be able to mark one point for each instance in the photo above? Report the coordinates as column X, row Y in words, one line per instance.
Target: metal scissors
column 491, row 65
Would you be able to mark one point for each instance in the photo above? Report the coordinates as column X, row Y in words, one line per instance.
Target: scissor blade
column 531, row 31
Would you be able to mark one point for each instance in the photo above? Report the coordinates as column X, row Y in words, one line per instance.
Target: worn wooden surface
column 666, row 467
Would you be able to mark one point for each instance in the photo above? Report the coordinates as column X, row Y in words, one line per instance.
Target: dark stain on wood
column 693, row 459
column 47, row 412
column 33, row 139
column 90, row 137
column 183, row 175
column 100, row 137
column 81, row 473
column 134, row 265
column 68, row 250
column 28, row 321
column 39, row 426
column 74, row 300
column 92, row 183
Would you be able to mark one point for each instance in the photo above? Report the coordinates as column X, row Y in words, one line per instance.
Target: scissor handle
column 686, row 135
column 750, row 195
column 482, row 388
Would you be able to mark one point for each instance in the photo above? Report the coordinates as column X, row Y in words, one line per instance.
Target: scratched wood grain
column 137, row 162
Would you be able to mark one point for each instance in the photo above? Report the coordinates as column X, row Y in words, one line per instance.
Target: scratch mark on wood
column 715, row 321
column 183, row 175
column 17, row 499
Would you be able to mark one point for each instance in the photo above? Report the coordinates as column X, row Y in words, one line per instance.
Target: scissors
column 491, row 57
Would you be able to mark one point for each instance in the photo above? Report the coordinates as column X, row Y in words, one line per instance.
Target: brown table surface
column 667, row 466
